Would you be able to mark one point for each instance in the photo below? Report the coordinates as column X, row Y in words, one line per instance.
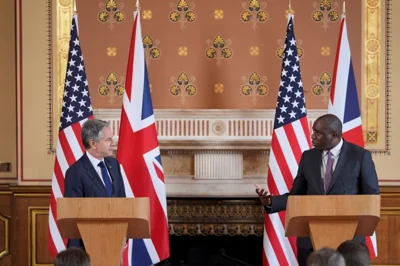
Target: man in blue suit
column 333, row 167
column 96, row 173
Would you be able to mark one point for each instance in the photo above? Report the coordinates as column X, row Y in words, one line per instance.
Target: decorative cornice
column 210, row 129
column 244, row 150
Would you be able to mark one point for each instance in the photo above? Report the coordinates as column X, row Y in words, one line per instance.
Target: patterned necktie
column 328, row 171
column 106, row 178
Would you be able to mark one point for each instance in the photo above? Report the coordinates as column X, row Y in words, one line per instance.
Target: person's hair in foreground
column 325, row 257
column 355, row 253
column 72, row 257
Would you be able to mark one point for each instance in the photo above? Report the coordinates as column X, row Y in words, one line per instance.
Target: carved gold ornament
column 112, row 86
column 325, row 12
column 182, row 13
column 111, row 13
column 219, row 88
column 322, row 86
column 254, row 86
column 151, row 48
column 218, row 14
column 219, row 49
column 183, row 86
column 254, row 12
column 147, row 14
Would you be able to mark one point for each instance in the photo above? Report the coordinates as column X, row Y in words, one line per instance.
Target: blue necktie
column 106, row 178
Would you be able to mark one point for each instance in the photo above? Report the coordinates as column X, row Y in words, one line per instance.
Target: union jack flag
column 343, row 103
column 139, row 156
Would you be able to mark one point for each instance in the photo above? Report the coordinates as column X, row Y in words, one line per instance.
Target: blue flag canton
column 76, row 104
column 291, row 103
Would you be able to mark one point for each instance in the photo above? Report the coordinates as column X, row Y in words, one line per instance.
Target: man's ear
column 334, row 135
column 92, row 143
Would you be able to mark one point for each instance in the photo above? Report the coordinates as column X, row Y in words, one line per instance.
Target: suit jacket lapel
column 91, row 172
column 317, row 170
column 343, row 156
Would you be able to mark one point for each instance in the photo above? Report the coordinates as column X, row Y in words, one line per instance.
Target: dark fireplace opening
column 215, row 251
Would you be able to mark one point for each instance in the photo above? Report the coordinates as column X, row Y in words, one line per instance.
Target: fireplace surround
column 211, row 161
column 215, row 231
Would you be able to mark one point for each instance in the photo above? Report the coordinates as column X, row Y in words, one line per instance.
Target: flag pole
column 137, row 6
column 74, row 3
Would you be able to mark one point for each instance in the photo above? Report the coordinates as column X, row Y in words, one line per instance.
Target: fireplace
column 214, row 231
column 211, row 161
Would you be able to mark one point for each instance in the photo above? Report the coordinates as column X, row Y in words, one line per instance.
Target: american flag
column 343, row 103
column 291, row 136
column 139, row 156
column 76, row 109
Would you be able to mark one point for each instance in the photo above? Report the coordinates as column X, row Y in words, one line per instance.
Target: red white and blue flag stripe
column 140, row 159
column 290, row 138
column 344, row 102
column 76, row 109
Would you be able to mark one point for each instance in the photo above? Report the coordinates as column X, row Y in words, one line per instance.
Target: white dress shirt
column 335, row 157
column 95, row 162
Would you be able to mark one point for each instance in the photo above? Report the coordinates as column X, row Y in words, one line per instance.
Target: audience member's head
column 72, row 257
column 355, row 253
column 326, row 257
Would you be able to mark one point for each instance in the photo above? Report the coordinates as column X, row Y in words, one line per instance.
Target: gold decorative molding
column 6, row 220
column 215, row 217
column 215, row 211
column 64, row 12
column 374, row 88
column 216, row 229
column 33, row 212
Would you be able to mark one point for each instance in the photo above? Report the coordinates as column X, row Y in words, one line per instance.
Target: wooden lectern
column 104, row 224
column 331, row 220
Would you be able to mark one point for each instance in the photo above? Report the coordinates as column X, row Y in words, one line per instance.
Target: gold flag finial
column 137, row 5
column 74, row 3
column 344, row 8
column 290, row 10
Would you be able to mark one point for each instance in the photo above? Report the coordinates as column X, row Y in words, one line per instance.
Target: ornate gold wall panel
column 375, row 88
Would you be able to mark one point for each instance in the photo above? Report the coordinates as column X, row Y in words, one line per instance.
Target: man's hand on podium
column 263, row 196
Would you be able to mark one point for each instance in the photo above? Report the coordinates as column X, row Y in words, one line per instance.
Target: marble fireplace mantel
column 224, row 151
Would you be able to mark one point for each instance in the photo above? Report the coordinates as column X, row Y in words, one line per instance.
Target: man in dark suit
column 96, row 173
column 333, row 167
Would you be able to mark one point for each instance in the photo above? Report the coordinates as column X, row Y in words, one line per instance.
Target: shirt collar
column 336, row 150
column 95, row 162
